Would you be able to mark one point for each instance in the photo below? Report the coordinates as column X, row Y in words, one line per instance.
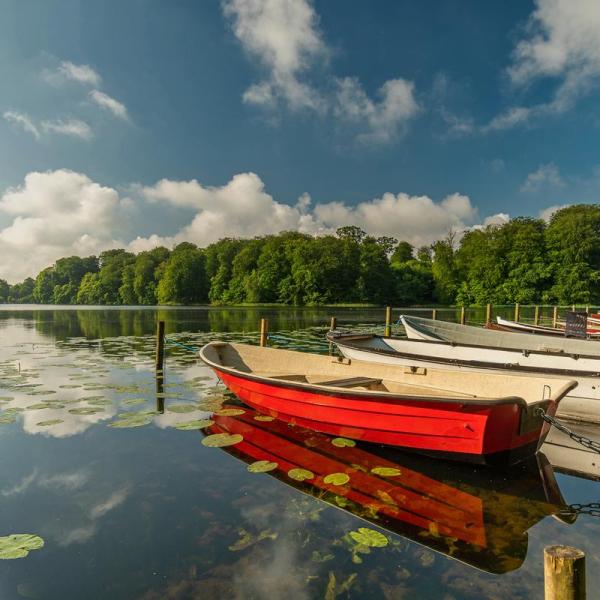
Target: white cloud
column 562, row 42
column 57, row 213
column 103, row 100
column 80, row 73
column 546, row 176
column 383, row 118
column 22, row 486
column 284, row 36
column 546, row 213
column 22, row 120
column 457, row 126
column 71, row 127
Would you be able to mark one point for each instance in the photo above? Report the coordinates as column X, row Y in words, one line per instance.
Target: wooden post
column 536, row 316
column 434, row 314
column 573, row 308
column 462, row 315
column 587, row 310
column 264, row 331
column 488, row 314
column 333, row 325
column 555, row 317
column 160, row 345
column 388, row 321
column 564, row 573
column 517, row 312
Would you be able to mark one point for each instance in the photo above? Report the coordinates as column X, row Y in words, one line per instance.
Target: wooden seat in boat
column 350, row 382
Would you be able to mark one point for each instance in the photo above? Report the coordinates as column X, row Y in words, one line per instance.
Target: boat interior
column 328, row 372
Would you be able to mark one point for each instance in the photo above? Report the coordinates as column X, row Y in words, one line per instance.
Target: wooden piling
column 388, row 321
column 555, row 317
column 333, row 325
column 434, row 314
column 488, row 314
column 573, row 308
column 536, row 315
column 517, row 312
column 160, row 345
column 462, row 315
column 264, row 331
column 564, row 573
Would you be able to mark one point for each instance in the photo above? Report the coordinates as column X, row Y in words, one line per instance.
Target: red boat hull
column 481, row 432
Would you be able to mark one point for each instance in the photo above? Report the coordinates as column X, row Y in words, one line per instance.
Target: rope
column 190, row 348
column 580, row 439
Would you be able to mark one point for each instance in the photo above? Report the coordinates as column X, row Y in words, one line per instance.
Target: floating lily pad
column 193, row 425
column 336, row 478
column 131, row 422
column 85, row 410
column 262, row 466
column 219, row 440
column 341, row 442
column 230, row 412
column 49, row 423
column 386, row 471
column 182, row 408
column 100, row 402
column 40, row 392
column 263, row 418
column 7, row 419
column 6, row 398
column 69, row 386
column 134, row 401
column 18, row 545
column 369, row 537
column 42, row 406
column 300, row 474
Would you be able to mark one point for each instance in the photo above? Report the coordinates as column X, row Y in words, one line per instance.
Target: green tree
column 4, row 291
column 402, row 253
column 184, row 279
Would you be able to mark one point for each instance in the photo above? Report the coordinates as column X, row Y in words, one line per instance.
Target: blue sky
column 142, row 122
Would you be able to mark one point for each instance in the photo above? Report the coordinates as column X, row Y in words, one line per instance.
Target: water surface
column 99, row 459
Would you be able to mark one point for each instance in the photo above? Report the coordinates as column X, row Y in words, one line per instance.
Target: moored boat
column 506, row 325
column 464, row 348
column 478, row 517
column 492, row 419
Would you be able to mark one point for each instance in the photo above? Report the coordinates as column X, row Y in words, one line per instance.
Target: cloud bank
column 62, row 213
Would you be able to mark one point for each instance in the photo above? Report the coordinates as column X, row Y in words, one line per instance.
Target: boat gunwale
column 368, row 395
column 464, row 362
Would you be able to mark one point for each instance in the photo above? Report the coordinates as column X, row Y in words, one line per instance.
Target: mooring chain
column 580, row 439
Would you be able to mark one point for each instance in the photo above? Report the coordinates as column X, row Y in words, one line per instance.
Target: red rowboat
column 479, row 518
column 466, row 416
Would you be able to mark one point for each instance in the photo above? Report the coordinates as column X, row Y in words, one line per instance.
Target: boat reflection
column 478, row 516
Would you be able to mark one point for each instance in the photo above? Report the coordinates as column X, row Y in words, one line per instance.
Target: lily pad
column 300, row 474
column 43, row 405
column 18, row 545
column 69, row 386
column 134, row 401
column 182, row 408
column 369, row 537
column 85, row 410
column 336, row 479
column 219, row 440
column 130, row 422
column 341, row 442
column 194, row 425
column 230, row 412
column 386, row 471
column 264, row 418
column 49, row 423
column 262, row 466
column 7, row 419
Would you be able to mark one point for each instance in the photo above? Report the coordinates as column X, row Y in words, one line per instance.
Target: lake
column 108, row 467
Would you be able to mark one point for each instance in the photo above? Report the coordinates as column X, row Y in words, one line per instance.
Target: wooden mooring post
column 564, row 573
column 536, row 315
column 388, row 321
column 160, row 345
column 517, row 312
column 434, row 314
column 264, row 331
column 462, row 315
column 488, row 314
column 333, row 325
column 555, row 317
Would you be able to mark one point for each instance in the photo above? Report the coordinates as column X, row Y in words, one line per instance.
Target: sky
column 137, row 123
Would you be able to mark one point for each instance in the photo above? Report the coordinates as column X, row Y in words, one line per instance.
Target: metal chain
column 580, row 439
column 592, row 509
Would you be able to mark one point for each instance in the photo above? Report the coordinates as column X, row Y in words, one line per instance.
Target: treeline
column 525, row 260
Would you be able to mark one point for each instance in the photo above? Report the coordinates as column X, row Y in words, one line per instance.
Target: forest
column 525, row 260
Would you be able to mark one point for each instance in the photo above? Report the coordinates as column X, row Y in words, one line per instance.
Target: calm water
column 107, row 466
